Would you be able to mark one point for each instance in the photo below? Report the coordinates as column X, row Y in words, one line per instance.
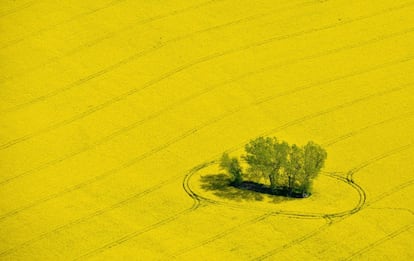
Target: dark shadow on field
column 221, row 186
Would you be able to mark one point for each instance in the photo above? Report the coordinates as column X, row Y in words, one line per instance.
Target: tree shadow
column 221, row 186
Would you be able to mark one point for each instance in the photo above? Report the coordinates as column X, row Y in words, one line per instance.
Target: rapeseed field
column 114, row 114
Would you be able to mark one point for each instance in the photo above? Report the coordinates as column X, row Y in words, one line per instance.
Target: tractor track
column 193, row 96
column 198, row 199
column 113, row 34
column 329, row 217
column 188, row 133
column 357, row 208
column 185, row 67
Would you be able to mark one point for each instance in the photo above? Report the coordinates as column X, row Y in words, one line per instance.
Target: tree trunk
column 290, row 185
column 272, row 181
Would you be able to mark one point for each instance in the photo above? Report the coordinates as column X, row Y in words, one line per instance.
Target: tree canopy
column 288, row 169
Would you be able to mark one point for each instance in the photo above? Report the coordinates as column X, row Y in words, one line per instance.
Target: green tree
column 294, row 168
column 266, row 156
column 233, row 168
column 314, row 160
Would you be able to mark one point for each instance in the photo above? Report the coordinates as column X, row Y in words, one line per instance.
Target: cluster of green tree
column 289, row 169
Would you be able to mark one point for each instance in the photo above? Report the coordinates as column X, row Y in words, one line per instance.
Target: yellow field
column 114, row 112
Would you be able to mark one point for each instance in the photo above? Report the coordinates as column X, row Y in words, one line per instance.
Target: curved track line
column 131, row 235
column 191, row 193
column 296, row 214
column 135, row 124
column 200, row 199
column 354, row 170
column 359, row 189
column 124, row 29
column 160, row 185
column 152, row 189
column 186, row 188
column 183, row 136
column 350, row 182
column 229, row 231
column 180, row 69
column 362, row 195
column 107, row 209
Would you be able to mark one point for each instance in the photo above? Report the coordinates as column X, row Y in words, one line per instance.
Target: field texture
column 113, row 114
